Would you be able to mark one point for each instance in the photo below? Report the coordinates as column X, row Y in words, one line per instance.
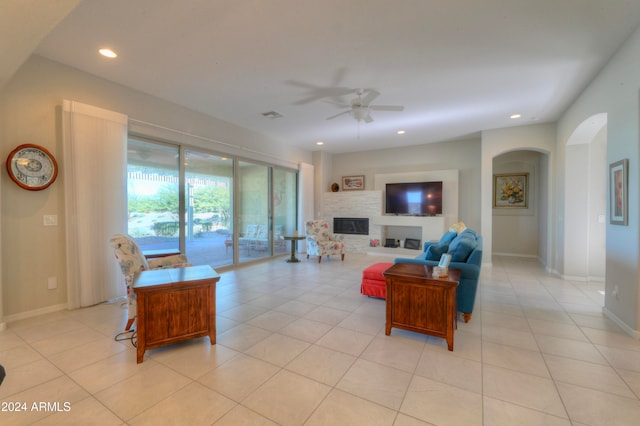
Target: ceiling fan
column 360, row 108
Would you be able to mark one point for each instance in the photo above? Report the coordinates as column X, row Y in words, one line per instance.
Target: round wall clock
column 32, row 167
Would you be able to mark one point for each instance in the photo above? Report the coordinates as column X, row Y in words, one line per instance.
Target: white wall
column 615, row 92
column 30, row 113
column 322, row 163
column 576, row 206
column 597, row 209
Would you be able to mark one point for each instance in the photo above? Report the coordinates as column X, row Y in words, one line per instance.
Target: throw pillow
column 470, row 232
column 461, row 247
column 448, row 237
column 458, row 227
column 435, row 251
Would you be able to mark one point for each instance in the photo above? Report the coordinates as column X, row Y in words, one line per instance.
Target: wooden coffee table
column 417, row 301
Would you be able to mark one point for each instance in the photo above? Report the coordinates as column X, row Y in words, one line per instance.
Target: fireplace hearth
column 351, row 225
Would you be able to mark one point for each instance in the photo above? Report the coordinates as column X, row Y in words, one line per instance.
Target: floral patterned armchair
column 131, row 260
column 321, row 242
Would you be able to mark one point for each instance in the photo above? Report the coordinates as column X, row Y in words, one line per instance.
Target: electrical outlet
column 52, row 283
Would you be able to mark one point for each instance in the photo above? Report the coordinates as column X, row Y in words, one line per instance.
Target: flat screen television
column 414, row 198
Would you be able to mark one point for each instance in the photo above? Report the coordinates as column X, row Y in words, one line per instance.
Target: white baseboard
column 630, row 331
column 583, row 279
column 34, row 313
column 515, row 255
column 574, row 278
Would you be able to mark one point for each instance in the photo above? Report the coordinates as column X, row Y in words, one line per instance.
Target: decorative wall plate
column 32, row 167
column 335, row 187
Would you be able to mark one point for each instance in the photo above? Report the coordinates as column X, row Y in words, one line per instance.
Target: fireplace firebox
column 351, row 225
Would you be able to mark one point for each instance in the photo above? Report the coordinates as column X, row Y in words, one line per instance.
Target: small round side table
column 294, row 242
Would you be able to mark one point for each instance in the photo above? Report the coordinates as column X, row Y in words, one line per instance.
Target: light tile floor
column 298, row 344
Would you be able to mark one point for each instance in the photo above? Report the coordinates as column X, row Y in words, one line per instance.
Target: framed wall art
column 619, row 192
column 353, row 183
column 511, row 190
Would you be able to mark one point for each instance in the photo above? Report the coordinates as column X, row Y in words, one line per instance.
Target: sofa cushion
column 423, row 255
column 461, row 247
column 435, row 251
column 447, row 237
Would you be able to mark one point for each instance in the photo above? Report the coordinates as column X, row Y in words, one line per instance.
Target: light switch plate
column 50, row 220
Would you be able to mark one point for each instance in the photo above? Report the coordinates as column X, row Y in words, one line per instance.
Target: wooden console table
column 416, row 301
column 175, row 304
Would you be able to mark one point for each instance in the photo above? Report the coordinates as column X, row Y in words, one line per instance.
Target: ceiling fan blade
column 371, row 95
column 320, row 93
column 338, row 115
column 387, row 107
column 342, row 105
column 316, row 93
column 368, row 119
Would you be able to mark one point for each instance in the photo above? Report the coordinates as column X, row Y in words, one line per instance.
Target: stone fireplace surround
column 361, row 204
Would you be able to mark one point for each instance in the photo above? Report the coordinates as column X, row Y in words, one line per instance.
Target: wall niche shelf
column 432, row 227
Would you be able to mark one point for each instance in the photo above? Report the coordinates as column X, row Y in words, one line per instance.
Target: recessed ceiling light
column 108, row 53
column 401, row 132
column 515, row 116
column 319, row 143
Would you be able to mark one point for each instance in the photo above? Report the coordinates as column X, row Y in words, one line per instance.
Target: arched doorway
column 541, row 139
column 520, row 229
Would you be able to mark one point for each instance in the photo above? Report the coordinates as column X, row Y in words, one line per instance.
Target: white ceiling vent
column 272, row 114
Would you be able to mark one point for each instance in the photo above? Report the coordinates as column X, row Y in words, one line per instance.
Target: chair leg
column 319, row 259
column 342, row 257
column 467, row 317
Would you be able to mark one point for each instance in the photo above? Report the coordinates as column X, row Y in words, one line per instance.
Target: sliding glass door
column 285, row 187
column 218, row 210
column 153, row 196
column 254, row 221
column 208, row 208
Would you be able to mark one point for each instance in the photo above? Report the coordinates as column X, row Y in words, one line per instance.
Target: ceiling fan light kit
column 360, row 108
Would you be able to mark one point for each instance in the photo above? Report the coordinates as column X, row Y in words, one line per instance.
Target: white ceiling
column 458, row 67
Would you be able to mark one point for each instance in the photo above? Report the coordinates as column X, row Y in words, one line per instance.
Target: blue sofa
column 465, row 249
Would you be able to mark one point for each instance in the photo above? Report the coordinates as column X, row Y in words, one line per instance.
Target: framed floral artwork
column 510, row 190
column 352, row 183
column 619, row 192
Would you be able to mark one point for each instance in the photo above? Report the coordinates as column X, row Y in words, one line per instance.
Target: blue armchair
column 466, row 255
